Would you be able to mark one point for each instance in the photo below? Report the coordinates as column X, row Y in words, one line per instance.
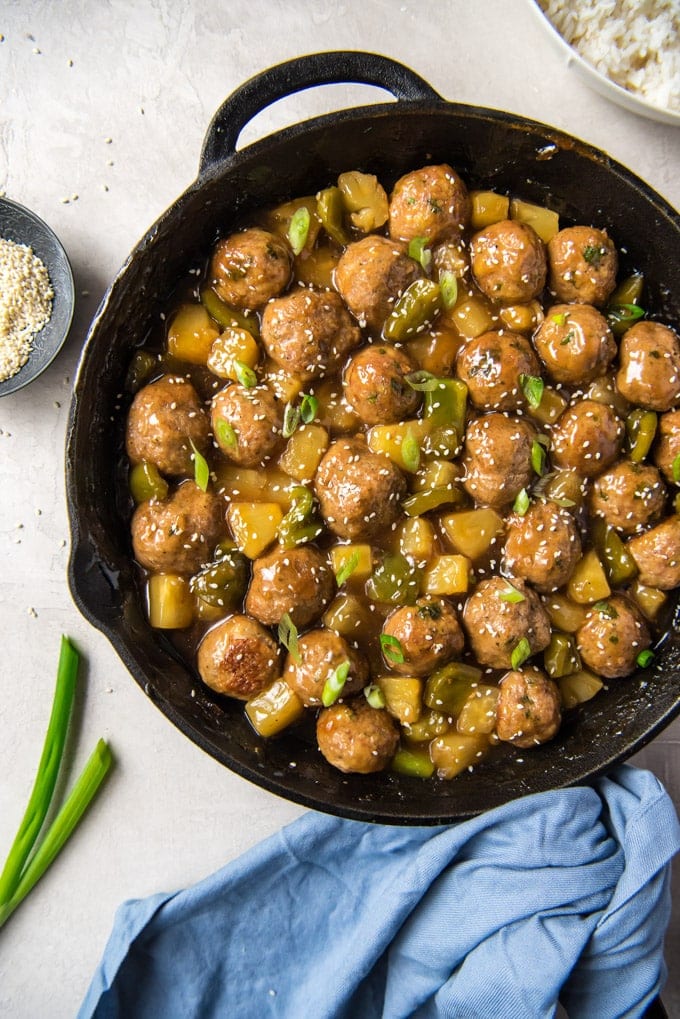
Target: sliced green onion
column 567, row 339
column 448, row 284
column 520, row 653
column 512, row 595
column 347, row 569
column 645, row 658
column 288, row 636
column 522, row 502
column 606, row 609
column 675, row 469
column 291, row 419
column 201, row 469
column 563, row 502
column 244, row 374
column 299, row 229
column 226, row 434
column 309, row 406
column 410, row 451
column 532, row 387
column 374, row 696
column 560, row 318
column 392, row 649
column 593, row 255
column 538, row 457
column 418, row 250
column 334, row 685
column 423, row 381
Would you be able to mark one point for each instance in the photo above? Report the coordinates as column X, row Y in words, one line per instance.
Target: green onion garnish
column 309, row 406
column 424, row 382
column 201, row 469
column 334, row 685
column 645, row 658
column 520, row 653
column 538, row 457
column 291, row 419
column 419, row 252
column 226, row 434
column 532, row 387
column 560, row 318
column 374, row 696
column 288, row 636
column 347, row 569
column 448, row 286
column 522, row 502
column 593, row 255
column 299, row 229
column 605, row 609
column 675, row 469
column 410, row 451
column 392, row 649
column 512, row 595
column 244, row 374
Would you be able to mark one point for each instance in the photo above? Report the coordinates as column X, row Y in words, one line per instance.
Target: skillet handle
column 337, row 67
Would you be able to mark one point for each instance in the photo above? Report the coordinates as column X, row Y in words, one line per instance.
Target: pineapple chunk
column 389, row 440
column 456, row 751
column 579, row 687
column 171, row 603
column 274, row 709
column 650, row 599
column 228, row 348
column 304, row 450
column 349, row 616
column 479, row 711
column 334, row 412
column 564, row 614
column 254, row 525
column 472, row 532
column 245, row 484
column 472, row 317
column 545, row 222
column 343, row 556
column 447, row 574
column 191, row 334
column 403, row 697
column 417, row 539
column 588, row 582
column 488, row 207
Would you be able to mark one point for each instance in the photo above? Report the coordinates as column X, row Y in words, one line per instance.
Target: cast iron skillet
column 489, row 148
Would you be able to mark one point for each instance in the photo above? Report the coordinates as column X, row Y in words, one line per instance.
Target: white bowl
column 599, row 82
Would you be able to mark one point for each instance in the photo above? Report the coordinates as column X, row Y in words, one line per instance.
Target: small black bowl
column 23, row 227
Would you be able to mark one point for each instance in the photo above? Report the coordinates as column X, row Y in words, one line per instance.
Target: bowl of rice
column 627, row 50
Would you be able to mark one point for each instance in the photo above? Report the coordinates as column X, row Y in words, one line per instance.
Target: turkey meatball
column 497, row 459
column 428, row 633
column 667, row 452
column 371, row 275
column 583, row 265
column 320, row 653
column 491, row 365
column 359, row 491
column 587, row 438
column 543, row 546
column 649, row 374
column 238, row 658
column 249, row 268
column 508, row 262
column 657, row 554
column 529, row 708
column 297, row 581
column 308, row 332
column 247, row 424
column 354, row 737
column 575, row 343
column 376, row 387
column 432, row 202
column 612, row 636
column 495, row 626
column 165, row 418
column 629, row 496
column 178, row 534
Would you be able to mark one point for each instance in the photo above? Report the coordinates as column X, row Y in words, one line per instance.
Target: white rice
column 635, row 43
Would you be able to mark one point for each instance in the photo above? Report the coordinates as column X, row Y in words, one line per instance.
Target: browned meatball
column 355, row 737
column 508, row 262
column 583, row 265
column 667, row 452
column 491, row 366
column 247, row 424
column 359, row 491
column 375, row 385
column 428, row 635
column 432, row 202
column 307, row 332
column 238, row 658
column 575, row 343
column 320, row 653
column 165, row 418
column 629, row 496
column 612, row 636
column 497, row 459
column 543, row 546
column 495, row 626
column 650, row 366
column 179, row 534
column 296, row 580
column 529, row 708
column 251, row 267
column 657, row 554
column 587, row 438
column 371, row 274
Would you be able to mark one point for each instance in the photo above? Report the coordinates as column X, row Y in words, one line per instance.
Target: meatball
column 587, row 438
column 495, row 626
column 657, row 554
column 238, row 658
column 179, row 534
column 249, row 268
column 650, row 366
column 497, row 459
column 371, row 274
column 320, row 653
column 583, row 265
column 629, row 496
column 508, row 262
column 297, row 581
column 543, row 546
column 308, row 332
column 529, row 708
column 575, row 343
column 668, row 446
column 612, row 636
column 359, row 491
column 247, row 424
column 432, row 202
column 428, row 635
column 165, row 418
column 375, row 385
column 354, row 737
column 491, row 366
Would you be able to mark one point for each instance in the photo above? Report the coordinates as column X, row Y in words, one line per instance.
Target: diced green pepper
column 418, row 305
column 619, row 565
column 226, row 316
column 432, row 498
column 445, row 406
column 448, row 688
column 629, row 290
column 622, row 316
column 222, row 583
column 395, row 580
column 299, row 524
column 146, row 482
column 641, row 429
column 329, row 207
column 561, row 657
column 430, row 725
column 141, row 367
column 413, row 762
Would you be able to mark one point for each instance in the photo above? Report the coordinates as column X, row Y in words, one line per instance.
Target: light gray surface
column 121, row 128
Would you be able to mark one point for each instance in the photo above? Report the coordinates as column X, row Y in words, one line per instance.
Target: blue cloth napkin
column 562, row 895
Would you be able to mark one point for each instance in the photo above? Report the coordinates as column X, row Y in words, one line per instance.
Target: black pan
column 490, row 149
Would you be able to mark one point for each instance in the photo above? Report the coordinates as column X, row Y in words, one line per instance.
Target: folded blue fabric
column 558, row 895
